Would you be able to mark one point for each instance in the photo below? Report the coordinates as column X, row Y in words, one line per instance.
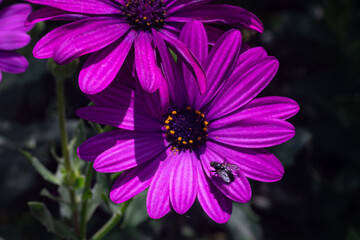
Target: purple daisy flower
column 12, row 37
column 109, row 28
column 172, row 154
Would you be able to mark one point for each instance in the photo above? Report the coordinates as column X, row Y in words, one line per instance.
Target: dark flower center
column 144, row 14
column 186, row 129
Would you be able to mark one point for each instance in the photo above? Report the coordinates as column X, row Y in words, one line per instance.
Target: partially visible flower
column 12, row 37
column 171, row 154
column 108, row 29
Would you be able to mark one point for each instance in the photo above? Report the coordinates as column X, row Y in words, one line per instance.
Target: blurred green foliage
column 318, row 45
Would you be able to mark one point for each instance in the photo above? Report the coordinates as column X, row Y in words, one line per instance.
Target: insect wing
column 232, row 167
column 224, row 176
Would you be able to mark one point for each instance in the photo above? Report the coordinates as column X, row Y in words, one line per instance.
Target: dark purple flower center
column 144, row 14
column 186, row 129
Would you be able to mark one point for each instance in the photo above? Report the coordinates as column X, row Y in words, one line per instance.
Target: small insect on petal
column 225, row 170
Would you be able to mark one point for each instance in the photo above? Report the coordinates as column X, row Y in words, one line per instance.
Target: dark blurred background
column 318, row 45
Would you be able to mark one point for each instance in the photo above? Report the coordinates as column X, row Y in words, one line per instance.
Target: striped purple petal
column 12, row 62
column 133, row 181
column 251, row 133
column 50, row 13
column 199, row 48
column 81, row 6
column 243, row 87
column 93, row 36
column 158, row 197
column 123, row 117
column 147, row 69
column 219, row 13
column 101, row 67
column 257, row 164
column 183, row 182
column 216, row 205
column 238, row 190
column 130, row 151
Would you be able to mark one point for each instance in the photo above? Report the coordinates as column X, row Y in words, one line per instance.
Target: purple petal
column 92, row 37
column 82, row 6
column 199, row 45
column 158, row 198
column 238, row 190
column 221, row 14
column 268, row 107
column 183, row 182
column 226, row 52
column 49, row 13
column 12, row 62
column 133, row 181
column 101, row 67
column 157, row 103
column 173, row 28
column 173, row 6
column 12, row 40
column 131, row 151
column 193, row 64
column 215, row 204
column 171, row 72
column 250, row 55
column 119, row 92
column 0, row 76
column 257, row 164
column 45, row 46
column 243, row 86
column 93, row 147
column 14, row 16
column 213, row 34
column 147, row 69
column 251, row 133
column 123, row 117
column 199, row 48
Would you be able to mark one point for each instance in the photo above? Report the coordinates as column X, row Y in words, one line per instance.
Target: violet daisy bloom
column 108, row 29
column 171, row 154
column 12, row 37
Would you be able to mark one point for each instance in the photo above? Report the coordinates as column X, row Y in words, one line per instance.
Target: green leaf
column 173, row 54
column 244, row 224
column 42, row 213
column 41, row 169
column 79, row 138
column 65, row 208
column 99, row 193
column 136, row 213
column 54, row 155
column 45, row 193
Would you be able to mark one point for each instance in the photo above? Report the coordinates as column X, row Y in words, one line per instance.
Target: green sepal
column 62, row 71
column 79, row 182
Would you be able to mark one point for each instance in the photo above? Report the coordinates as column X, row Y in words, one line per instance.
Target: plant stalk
column 111, row 223
column 83, row 216
column 69, row 180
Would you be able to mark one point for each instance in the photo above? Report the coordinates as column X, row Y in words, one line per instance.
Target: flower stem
column 89, row 174
column 69, row 180
column 111, row 223
column 62, row 126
